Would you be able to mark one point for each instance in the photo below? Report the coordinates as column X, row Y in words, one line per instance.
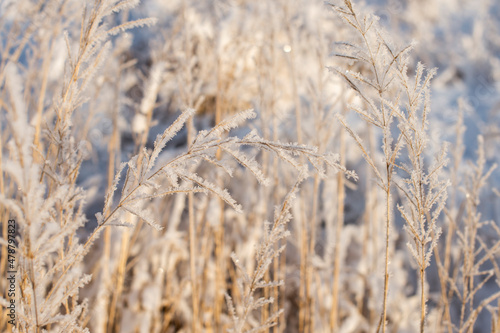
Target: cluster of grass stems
column 172, row 249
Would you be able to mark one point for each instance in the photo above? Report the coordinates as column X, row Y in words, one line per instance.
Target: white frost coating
column 59, row 58
column 15, row 87
column 139, row 123
column 152, row 88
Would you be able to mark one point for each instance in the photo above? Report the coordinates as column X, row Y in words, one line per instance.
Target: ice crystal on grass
column 105, row 110
column 249, row 284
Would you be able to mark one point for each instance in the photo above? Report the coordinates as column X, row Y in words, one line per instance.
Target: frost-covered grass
column 247, row 166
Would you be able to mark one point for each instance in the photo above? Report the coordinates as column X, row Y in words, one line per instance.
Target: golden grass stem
column 334, row 314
